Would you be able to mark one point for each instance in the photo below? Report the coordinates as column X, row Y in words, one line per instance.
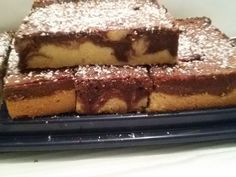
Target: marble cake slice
column 111, row 89
column 205, row 76
column 117, row 32
column 37, row 93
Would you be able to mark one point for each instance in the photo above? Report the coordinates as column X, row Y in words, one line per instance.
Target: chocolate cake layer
column 110, row 89
column 97, row 32
column 36, row 93
column 205, row 75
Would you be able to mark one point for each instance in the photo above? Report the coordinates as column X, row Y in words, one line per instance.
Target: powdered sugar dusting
column 5, row 40
column 203, row 50
column 207, row 41
column 110, row 72
column 90, row 16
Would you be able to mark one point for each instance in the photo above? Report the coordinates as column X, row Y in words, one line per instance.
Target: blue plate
column 70, row 131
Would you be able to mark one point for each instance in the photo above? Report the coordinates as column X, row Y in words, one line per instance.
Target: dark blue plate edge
column 48, row 142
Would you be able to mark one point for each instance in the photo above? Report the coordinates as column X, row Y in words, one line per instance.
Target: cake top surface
column 95, row 15
column 16, row 77
column 203, row 50
column 110, row 72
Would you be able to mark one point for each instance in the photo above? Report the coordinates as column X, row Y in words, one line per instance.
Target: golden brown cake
column 37, row 93
column 101, row 32
column 110, row 89
column 205, row 76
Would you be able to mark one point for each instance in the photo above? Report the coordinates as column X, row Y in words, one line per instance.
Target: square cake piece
column 117, row 32
column 110, row 89
column 205, row 76
column 37, row 93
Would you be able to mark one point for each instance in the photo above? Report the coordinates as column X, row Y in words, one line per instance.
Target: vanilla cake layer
column 161, row 102
column 72, row 33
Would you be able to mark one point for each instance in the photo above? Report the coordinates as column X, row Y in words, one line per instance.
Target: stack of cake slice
column 94, row 57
